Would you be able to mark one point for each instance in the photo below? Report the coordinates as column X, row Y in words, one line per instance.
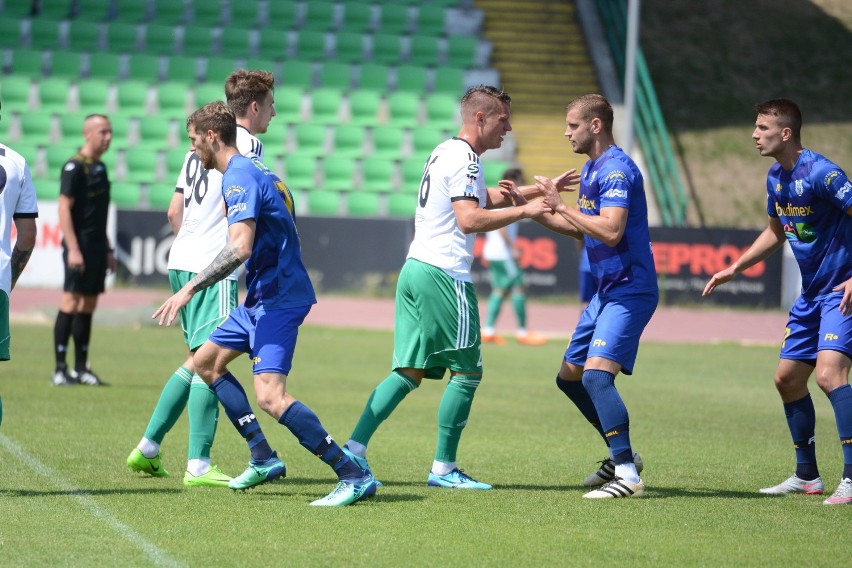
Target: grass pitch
column 706, row 420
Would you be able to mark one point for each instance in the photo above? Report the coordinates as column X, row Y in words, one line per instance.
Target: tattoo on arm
column 224, row 264
column 19, row 262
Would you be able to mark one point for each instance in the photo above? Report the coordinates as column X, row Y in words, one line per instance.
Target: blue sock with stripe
column 230, row 393
column 306, row 426
column 801, row 419
column 575, row 391
column 841, row 401
column 612, row 412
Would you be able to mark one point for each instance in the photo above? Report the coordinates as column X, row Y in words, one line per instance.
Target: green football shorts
column 4, row 327
column 207, row 308
column 505, row 274
column 436, row 324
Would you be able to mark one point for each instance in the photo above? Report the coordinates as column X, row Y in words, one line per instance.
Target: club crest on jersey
column 841, row 193
column 234, row 190
column 473, row 169
column 830, row 178
column 799, row 187
column 469, row 190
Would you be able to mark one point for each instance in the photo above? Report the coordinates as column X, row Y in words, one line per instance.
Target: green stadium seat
column 494, row 170
column 357, row 18
column 349, row 140
column 16, row 93
column 124, row 194
column 235, row 42
column 386, row 48
column 310, row 139
column 401, row 204
column 218, row 69
column 311, row 45
column 46, row 189
column 66, row 64
column 110, row 160
column 295, row 73
column 198, row 41
column 319, row 16
column 449, row 80
column 55, row 10
column 461, row 51
column 174, row 162
column 288, row 104
column 323, row 203
column 169, row 12
column 282, row 14
column 424, row 140
column 264, row 63
column 246, row 14
column 160, row 194
column 10, row 32
column 361, row 204
column 388, row 142
column 336, row 75
column 209, row 92
column 442, row 111
column 28, row 62
column 349, row 47
column 155, row 132
column 44, row 34
column 71, row 126
column 374, row 76
column 273, row 43
column 36, row 126
column 364, row 107
column 403, row 109
column 93, row 95
column 431, row 20
column 300, row 171
column 105, row 66
column 122, row 37
column 413, row 78
column 339, row 174
column 132, row 97
column 94, row 10
column 424, row 50
column 134, row 11
column 182, row 69
column 142, row 165
column 144, row 67
column 394, row 19
column 53, row 94
column 31, row 154
column 208, row 13
column 160, row 39
column 56, row 155
column 172, row 100
column 326, row 105
column 122, row 133
column 84, row 36
column 412, row 173
column 377, row 175
column 275, row 138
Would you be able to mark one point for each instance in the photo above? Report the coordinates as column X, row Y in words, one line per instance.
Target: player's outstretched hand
column 536, row 208
column 846, row 301
column 718, row 279
column 171, row 307
column 510, row 191
column 550, row 191
column 567, row 181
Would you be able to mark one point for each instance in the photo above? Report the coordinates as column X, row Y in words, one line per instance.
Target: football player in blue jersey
column 809, row 203
column 612, row 220
column 262, row 233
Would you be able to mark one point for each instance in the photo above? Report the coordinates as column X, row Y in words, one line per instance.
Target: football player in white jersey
column 437, row 319
column 196, row 214
column 18, row 206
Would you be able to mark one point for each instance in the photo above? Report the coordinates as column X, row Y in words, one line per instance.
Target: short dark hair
column 483, row 98
column 219, row 118
column 243, row 87
column 786, row 111
column 594, row 106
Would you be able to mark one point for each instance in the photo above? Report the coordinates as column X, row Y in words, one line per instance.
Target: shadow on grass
column 81, row 492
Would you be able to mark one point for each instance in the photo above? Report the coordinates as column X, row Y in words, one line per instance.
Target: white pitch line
column 158, row 556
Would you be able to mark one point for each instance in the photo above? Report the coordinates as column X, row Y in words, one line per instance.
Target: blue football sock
column 305, row 425
column 801, row 419
column 230, row 393
column 612, row 412
column 841, row 401
column 580, row 397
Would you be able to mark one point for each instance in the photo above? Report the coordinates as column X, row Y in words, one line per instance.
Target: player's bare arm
column 66, row 223
column 771, row 239
column 27, row 231
column 608, row 226
column 175, row 212
column 238, row 249
column 473, row 219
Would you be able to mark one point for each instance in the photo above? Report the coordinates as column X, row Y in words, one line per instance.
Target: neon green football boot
column 152, row 466
column 213, row 478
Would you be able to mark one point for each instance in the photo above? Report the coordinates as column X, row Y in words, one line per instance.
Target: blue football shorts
column 611, row 328
column 269, row 337
column 815, row 325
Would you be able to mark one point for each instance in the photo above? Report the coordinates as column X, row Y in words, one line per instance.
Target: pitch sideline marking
column 157, row 555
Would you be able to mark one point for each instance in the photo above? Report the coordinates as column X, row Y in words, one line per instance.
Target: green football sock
column 452, row 415
column 170, row 406
column 381, row 404
column 519, row 301
column 203, row 411
column 495, row 301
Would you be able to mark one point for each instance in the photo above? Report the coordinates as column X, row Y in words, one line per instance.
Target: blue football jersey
column 614, row 180
column 811, row 201
column 275, row 275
